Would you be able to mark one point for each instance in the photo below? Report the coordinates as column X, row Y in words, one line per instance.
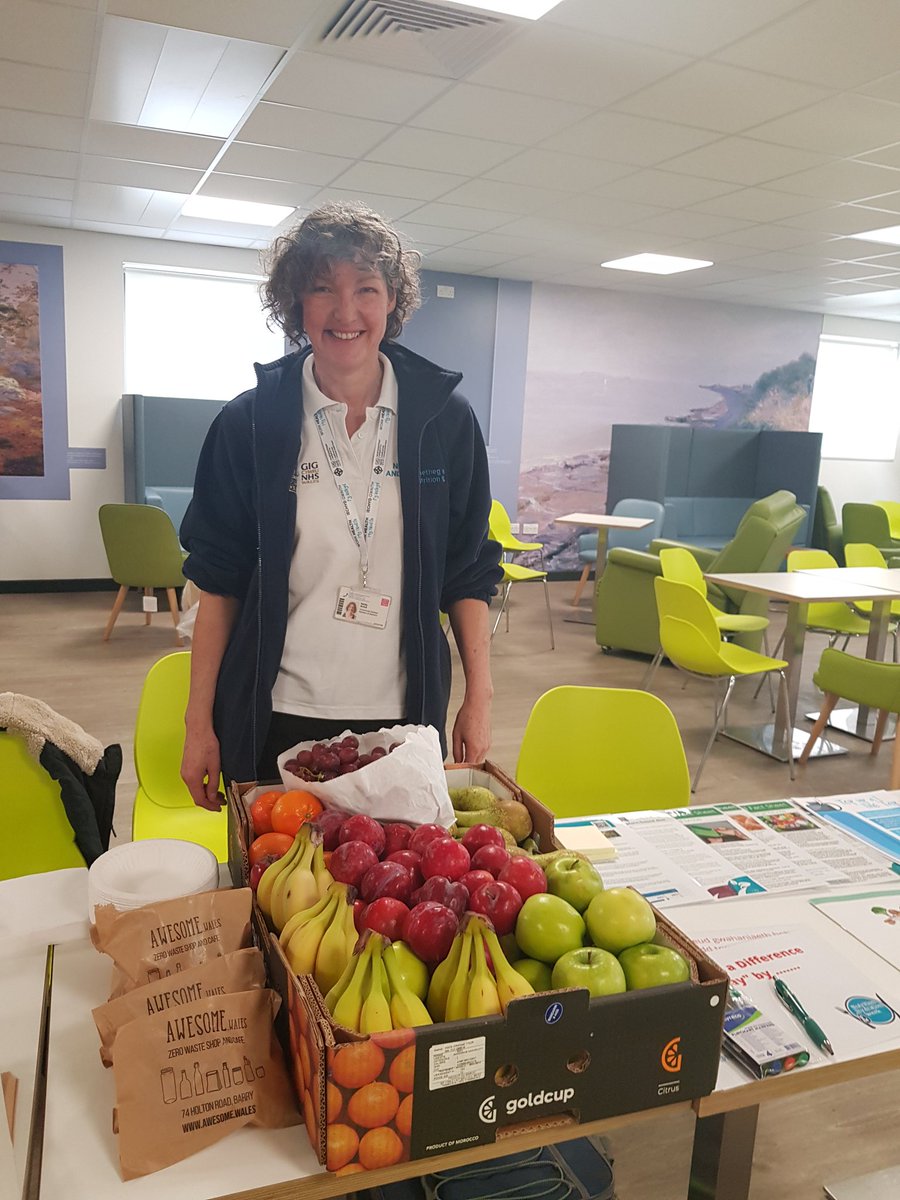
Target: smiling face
column 345, row 315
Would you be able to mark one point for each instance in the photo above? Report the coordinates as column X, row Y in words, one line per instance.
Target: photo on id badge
column 363, row 607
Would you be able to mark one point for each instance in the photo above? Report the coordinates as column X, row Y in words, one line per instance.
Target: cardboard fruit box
column 374, row 1101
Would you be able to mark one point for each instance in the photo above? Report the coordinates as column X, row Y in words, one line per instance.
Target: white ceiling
column 756, row 133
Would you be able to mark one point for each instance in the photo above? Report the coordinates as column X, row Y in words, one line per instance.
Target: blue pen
column 796, row 1009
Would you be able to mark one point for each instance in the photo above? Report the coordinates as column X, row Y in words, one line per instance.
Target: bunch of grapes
column 328, row 760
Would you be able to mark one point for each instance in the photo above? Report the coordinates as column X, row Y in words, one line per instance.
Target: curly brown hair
column 330, row 234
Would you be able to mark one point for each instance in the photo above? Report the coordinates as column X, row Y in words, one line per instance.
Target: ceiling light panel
column 216, row 208
column 889, row 236
column 177, row 79
column 657, row 264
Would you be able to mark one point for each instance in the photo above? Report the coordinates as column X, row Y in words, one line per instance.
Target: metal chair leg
column 549, row 614
column 783, row 689
column 651, row 670
column 771, row 654
column 720, row 718
column 502, row 608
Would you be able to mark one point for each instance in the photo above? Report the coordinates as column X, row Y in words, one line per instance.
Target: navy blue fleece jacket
column 239, row 532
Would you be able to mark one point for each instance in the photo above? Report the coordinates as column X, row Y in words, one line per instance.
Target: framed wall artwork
column 33, row 407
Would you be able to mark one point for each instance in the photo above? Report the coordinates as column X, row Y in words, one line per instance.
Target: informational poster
column 872, row 917
column 871, row 817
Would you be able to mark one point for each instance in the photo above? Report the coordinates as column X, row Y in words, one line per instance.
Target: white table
column 800, row 588
column 602, row 522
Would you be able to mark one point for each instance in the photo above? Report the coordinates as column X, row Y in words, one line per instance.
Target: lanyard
column 362, row 532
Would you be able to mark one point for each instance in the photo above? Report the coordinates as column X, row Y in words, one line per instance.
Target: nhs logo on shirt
column 307, row 472
column 394, row 472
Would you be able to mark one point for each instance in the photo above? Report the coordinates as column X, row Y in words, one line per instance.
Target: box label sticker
column 455, row 1062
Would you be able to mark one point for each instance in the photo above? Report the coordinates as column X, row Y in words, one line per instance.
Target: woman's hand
column 200, row 769
column 472, row 731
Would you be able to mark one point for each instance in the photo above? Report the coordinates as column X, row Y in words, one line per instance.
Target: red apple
column 429, row 930
column 259, row 868
column 412, row 862
column 445, row 857
column 500, row 903
column 491, row 858
column 425, row 834
column 329, row 825
column 351, row 860
column 396, row 836
column 526, row 876
column 386, row 879
column 473, row 880
column 482, row 835
column 360, row 828
column 451, row 893
column 387, row 915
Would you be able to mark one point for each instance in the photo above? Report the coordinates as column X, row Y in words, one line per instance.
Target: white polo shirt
column 331, row 668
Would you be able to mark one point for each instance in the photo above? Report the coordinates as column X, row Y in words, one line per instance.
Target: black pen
column 796, row 1009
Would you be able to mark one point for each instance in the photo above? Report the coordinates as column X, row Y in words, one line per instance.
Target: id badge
column 362, row 606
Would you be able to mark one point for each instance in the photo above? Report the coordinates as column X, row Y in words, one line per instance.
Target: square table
column 800, row 588
column 602, row 522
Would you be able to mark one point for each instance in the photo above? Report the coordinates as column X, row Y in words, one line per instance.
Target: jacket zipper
column 254, row 724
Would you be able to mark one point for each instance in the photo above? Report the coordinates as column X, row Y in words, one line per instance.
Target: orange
column 341, row 1145
column 403, row 1120
column 350, row 1169
column 261, row 812
column 274, row 844
column 356, row 1064
column 393, row 1039
column 373, row 1105
column 403, row 1069
column 334, row 1102
column 293, row 809
column 380, row 1148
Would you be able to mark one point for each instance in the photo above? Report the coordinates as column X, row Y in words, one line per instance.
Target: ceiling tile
column 276, row 21
column 772, row 237
column 842, row 125
column 312, row 131
column 103, row 202
column 887, row 88
column 458, row 217
column 30, row 161
column 499, row 243
column 842, row 219
column 742, row 98
column 697, row 28
column 889, row 202
column 355, row 89
column 828, row 42
column 627, row 139
column 32, row 207
column 840, row 181
column 514, row 117
column 855, row 287
column 592, row 210
column 565, row 64
column 291, row 166
column 684, row 222
column 891, row 260
column 742, row 160
column 13, row 183
column 433, row 151
column 43, row 89
column 665, row 188
column 569, row 171
column 47, row 35
column 97, row 169
column 260, row 191
column 176, row 234
column 392, row 207
column 432, row 235
column 887, row 156
column 162, row 208
column 758, row 204
column 492, row 194
column 151, row 145
column 397, row 181
column 19, row 128
column 458, row 260
column 121, row 228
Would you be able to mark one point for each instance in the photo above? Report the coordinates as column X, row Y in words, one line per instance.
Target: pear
column 505, row 814
column 469, row 799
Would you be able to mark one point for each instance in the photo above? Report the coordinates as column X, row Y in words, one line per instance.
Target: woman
column 339, row 506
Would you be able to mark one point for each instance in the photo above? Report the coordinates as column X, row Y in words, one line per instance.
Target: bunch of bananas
column 294, row 882
column 319, row 940
column 463, row 985
column 383, row 987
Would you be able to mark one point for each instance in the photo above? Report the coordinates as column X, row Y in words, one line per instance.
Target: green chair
column 875, row 684
column 143, row 551
column 625, row 610
column 592, row 750
column 513, row 573
column 861, row 554
column 869, row 523
column 892, row 508
column 500, row 529
column 832, row 617
column 163, row 807
column 37, row 836
column 826, row 530
column 692, row 642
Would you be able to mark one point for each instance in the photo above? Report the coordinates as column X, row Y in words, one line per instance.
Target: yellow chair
column 833, row 617
column 692, row 642
column 861, row 554
column 37, row 836
column 875, row 684
column 500, row 529
column 143, row 551
column 163, row 807
column 513, row 573
column 592, row 750
column 892, row 508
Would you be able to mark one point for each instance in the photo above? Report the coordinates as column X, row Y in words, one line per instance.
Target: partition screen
column 856, row 398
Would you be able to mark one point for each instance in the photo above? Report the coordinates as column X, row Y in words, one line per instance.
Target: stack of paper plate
column 138, row 873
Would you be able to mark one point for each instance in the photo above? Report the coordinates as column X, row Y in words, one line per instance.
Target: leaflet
column 872, row 917
column 871, row 817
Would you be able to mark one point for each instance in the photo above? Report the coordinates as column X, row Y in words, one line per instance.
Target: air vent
column 415, row 35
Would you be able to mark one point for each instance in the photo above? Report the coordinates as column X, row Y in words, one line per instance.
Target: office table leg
column 580, row 617
column 723, row 1155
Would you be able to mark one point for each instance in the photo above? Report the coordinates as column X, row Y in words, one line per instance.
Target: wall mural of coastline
column 21, row 406
column 598, row 358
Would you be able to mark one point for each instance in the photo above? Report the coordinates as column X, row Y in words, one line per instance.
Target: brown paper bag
column 159, row 940
column 238, row 972
column 188, row 1077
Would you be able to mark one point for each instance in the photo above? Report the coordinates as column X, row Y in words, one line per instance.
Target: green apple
column 620, row 917
column 547, row 927
column 597, row 970
column 537, row 973
column 574, row 880
column 649, row 965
